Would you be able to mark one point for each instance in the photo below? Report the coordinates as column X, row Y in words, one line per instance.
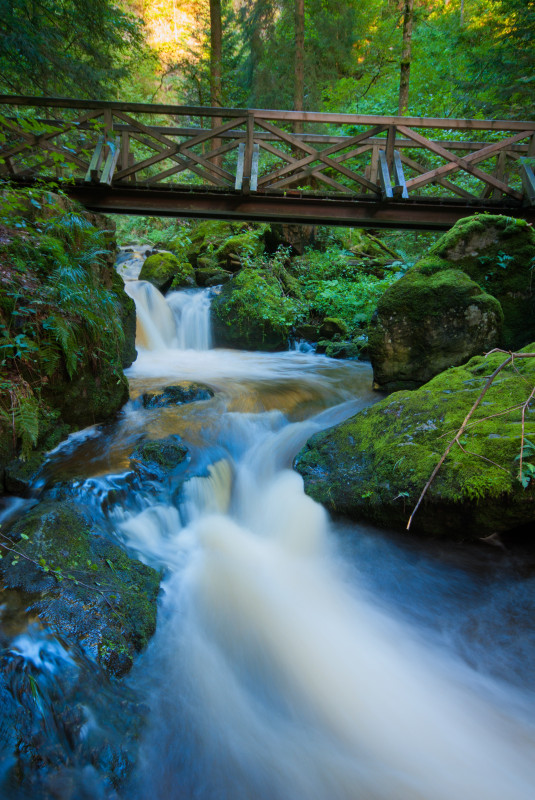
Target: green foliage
column 57, row 47
column 55, row 314
column 334, row 286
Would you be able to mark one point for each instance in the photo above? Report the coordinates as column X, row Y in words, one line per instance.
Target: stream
column 295, row 658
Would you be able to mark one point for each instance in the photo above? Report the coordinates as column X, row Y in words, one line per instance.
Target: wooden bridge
column 302, row 167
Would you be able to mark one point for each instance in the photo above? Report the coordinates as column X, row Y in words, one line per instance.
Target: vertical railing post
column 248, row 155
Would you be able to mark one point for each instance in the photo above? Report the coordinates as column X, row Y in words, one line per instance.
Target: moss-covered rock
column 333, row 326
column 375, row 465
column 161, row 456
column 188, row 392
column 251, row 313
column 498, row 253
column 427, row 323
column 495, row 252
column 165, row 271
column 212, row 276
column 86, row 589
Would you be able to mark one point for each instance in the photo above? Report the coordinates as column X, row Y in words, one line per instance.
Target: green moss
column 165, row 453
column 252, row 313
column 164, row 270
column 88, row 589
column 242, row 245
column 376, row 464
column 498, row 253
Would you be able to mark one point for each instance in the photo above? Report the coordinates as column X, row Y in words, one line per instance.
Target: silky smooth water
column 295, row 658
column 274, row 672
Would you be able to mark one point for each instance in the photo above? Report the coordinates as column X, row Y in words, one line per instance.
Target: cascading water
column 272, row 675
column 285, row 665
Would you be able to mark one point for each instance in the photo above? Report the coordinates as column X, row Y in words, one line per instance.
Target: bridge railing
column 256, row 151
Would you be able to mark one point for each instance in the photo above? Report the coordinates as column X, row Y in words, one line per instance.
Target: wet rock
column 471, row 292
column 333, row 326
column 165, row 271
column 81, row 585
column 160, row 456
column 177, row 395
column 375, row 465
column 427, row 323
column 212, row 276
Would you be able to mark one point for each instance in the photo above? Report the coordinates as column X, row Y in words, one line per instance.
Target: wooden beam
column 92, row 173
column 239, row 167
column 384, row 177
column 269, row 114
column 400, row 187
column 528, row 183
column 114, row 151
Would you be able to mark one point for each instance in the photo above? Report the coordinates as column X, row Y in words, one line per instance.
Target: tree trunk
column 408, row 17
column 216, row 94
column 299, row 62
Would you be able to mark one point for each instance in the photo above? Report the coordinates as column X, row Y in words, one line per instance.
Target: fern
column 27, row 423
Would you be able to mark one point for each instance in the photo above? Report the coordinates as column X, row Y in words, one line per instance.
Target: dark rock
column 81, row 585
column 177, row 395
column 427, row 323
column 161, row 456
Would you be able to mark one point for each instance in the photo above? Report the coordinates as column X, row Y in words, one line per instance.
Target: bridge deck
column 249, row 164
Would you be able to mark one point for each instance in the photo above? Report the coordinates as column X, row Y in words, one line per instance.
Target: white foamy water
column 272, row 676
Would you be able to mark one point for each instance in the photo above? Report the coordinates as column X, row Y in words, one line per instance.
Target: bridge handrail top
column 271, row 114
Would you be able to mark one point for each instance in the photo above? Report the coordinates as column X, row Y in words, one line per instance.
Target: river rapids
column 297, row 658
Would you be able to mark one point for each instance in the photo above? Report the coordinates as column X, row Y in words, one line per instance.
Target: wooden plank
column 374, row 166
column 248, row 155
column 92, row 173
column 466, row 163
column 184, row 163
column 528, row 183
column 500, row 174
column 389, row 150
column 400, row 188
column 441, row 181
column 114, row 151
column 270, row 114
column 125, row 150
column 254, row 167
column 384, row 177
column 239, row 167
column 316, row 155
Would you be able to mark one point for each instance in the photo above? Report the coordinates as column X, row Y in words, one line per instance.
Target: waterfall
column 181, row 320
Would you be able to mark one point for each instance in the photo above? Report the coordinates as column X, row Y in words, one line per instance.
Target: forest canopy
column 462, row 58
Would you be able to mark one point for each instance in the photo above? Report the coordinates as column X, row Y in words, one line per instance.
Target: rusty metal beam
column 363, row 211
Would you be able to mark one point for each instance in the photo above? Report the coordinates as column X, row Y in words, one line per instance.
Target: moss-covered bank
column 66, row 325
column 82, row 586
column 375, row 465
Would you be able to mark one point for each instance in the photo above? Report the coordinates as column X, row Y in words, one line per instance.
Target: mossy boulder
column 333, row 326
column 212, row 276
column 159, row 457
column 165, row 271
column 375, row 465
column 427, row 323
column 231, row 253
column 188, row 392
column 498, row 253
column 495, row 252
column 82, row 586
column 252, row 313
